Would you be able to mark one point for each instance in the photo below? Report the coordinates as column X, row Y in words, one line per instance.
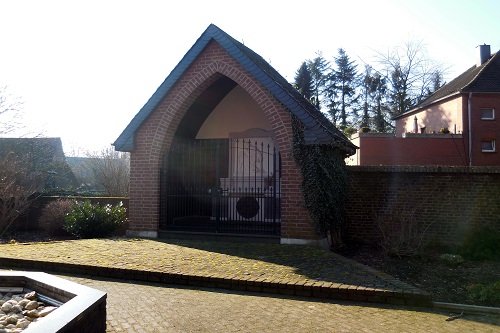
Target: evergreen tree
column 373, row 93
column 399, row 96
column 381, row 120
column 341, row 90
column 436, row 83
column 318, row 68
column 366, row 95
column 303, row 81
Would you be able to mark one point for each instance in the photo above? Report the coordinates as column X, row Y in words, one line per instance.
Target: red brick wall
column 454, row 112
column 155, row 135
column 485, row 129
column 448, row 199
column 415, row 149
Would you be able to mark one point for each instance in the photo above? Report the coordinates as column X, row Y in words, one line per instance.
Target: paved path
column 279, row 269
column 274, row 270
column 149, row 307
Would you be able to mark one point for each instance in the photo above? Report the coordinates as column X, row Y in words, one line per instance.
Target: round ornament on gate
column 247, row 207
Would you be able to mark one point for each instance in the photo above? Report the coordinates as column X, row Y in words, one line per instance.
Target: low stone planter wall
column 83, row 309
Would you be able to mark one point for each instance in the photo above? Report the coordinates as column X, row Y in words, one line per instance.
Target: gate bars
column 222, row 186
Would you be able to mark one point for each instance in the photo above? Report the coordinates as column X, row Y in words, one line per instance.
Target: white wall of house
column 446, row 114
column 237, row 112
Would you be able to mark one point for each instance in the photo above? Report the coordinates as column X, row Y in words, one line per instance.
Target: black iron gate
column 222, row 186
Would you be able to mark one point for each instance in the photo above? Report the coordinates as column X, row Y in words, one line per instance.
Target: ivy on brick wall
column 324, row 185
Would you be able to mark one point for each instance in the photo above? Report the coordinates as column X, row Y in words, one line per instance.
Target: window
column 488, row 146
column 487, row 114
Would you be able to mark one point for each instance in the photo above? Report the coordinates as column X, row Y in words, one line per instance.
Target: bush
column 481, row 243
column 349, row 131
column 401, row 233
column 53, row 216
column 488, row 294
column 451, row 260
column 94, row 221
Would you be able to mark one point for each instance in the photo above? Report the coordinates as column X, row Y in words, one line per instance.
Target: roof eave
column 126, row 141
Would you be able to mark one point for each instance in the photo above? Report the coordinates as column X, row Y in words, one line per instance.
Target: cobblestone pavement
column 149, row 307
column 273, row 268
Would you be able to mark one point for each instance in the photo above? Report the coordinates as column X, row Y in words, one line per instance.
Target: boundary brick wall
column 449, row 200
column 412, row 149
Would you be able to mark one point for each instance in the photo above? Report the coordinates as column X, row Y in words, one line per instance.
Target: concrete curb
column 318, row 289
column 466, row 308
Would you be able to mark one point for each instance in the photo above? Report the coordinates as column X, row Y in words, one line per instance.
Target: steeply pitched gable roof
column 477, row 79
column 317, row 128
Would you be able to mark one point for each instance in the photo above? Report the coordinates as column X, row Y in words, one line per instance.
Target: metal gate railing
column 222, row 186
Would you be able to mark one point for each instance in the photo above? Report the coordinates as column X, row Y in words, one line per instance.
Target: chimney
column 483, row 55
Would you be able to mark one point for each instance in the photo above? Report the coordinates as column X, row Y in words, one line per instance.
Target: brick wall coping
column 427, row 169
column 433, row 135
column 372, row 135
column 407, row 135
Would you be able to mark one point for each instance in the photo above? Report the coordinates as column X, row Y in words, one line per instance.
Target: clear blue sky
column 85, row 68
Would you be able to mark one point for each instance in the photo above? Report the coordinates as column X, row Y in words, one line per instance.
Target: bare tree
column 409, row 73
column 111, row 170
column 10, row 113
column 18, row 181
column 18, row 187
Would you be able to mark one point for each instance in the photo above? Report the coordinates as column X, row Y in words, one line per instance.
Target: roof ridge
column 480, row 72
column 464, row 82
column 263, row 72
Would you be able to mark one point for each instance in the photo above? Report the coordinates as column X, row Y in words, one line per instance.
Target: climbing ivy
column 324, row 185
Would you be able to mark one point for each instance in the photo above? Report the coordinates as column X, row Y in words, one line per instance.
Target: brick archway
column 154, row 137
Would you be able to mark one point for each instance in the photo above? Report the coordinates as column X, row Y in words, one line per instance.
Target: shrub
column 401, row 233
column 349, row 131
column 93, row 221
column 451, row 260
column 488, row 294
column 53, row 215
column 481, row 243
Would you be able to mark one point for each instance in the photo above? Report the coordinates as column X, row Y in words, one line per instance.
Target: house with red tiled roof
column 211, row 151
column 457, row 125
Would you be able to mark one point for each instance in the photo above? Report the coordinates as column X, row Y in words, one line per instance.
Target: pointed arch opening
column 222, row 173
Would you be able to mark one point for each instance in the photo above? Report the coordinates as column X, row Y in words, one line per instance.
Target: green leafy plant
column 349, row 131
column 324, row 185
column 93, row 221
column 488, row 294
column 451, row 260
column 481, row 243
